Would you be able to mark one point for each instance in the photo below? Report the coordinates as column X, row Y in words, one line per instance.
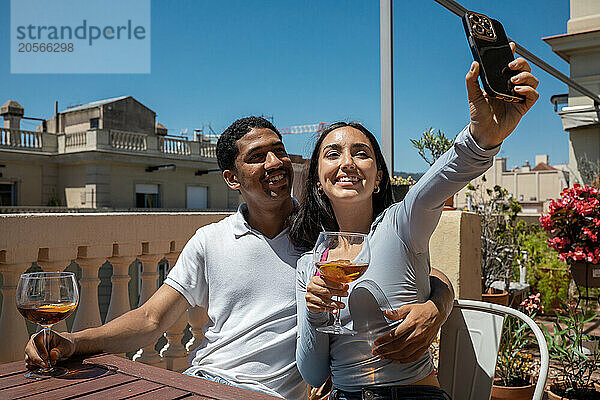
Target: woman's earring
column 376, row 190
column 320, row 190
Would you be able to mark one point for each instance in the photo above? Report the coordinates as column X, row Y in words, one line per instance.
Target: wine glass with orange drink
column 341, row 257
column 46, row 298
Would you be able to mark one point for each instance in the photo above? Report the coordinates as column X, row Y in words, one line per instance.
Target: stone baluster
column 13, row 329
column 119, row 294
column 197, row 317
column 149, row 276
column 89, row 259
column 121, row 259
column 56, row 259
column 174, row 353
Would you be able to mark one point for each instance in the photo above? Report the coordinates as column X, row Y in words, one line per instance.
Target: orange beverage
column 341, row 271
column 46, row 314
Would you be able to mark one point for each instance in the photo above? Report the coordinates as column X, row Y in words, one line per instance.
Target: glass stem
column 46, row 331
column 338, row 322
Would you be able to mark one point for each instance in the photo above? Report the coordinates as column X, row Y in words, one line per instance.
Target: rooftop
column 94, row 104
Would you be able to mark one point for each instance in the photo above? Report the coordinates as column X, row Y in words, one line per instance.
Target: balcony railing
column 76, row 140
column 107, row 140
column 128, row 141
column 18, row 139
column 84, row 243
column 174, row 146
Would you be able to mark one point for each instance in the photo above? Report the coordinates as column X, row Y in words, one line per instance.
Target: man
column 242, row 269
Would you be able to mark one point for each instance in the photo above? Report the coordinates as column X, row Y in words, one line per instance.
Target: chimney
column 541, row 158
column 526, row 166
column 12, row 113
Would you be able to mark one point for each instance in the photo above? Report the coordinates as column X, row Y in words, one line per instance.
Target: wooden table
column 111, row 377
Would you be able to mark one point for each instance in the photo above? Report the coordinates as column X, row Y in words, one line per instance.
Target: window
column 94, row 123
column 197, row 197
column 8, row 194
column 146, row 196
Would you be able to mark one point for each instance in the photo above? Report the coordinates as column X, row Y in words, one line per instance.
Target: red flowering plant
column 573, row 221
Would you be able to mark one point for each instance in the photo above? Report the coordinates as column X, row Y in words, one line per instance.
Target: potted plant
column 515, row 367
column 400, row 186
column 574, row 369
column 431, row 146
column 573, row 222
column 501, row 237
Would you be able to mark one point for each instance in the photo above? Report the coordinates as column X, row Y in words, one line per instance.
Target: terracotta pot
column 449, row 204
column 496, row 296
column 511, row 393
column 554, row 396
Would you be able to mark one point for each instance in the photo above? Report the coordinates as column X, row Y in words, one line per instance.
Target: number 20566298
column 45, row 47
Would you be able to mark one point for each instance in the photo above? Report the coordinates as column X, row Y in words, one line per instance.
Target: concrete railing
column 84, row 243
column 128, row 141
column 20, row 139
column 75, row 140
column 174, row 146
column 131, row 142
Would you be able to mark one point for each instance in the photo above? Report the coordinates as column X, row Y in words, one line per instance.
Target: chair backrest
column 469, row 345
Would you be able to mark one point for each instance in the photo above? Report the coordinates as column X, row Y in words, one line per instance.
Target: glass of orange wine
column 46, row 298
column 341, row 257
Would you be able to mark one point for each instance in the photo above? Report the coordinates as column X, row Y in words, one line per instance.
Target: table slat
column 191, row 384
column 11, row 368
column 123, row 391
column 49, row 385
column 83, row 387
column 163, row 393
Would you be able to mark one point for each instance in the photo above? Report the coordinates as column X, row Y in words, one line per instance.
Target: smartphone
column 491, row 50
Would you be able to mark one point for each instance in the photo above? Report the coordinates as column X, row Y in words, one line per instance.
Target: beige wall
column 28, row 176
column 128, row 115
column 172, row 186
column 541, row 185
column 583, row 143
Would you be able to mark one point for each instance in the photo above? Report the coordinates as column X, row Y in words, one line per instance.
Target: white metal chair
column 469, row 345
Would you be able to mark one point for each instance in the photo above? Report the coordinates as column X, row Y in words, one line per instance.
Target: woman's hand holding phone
column 493, row 120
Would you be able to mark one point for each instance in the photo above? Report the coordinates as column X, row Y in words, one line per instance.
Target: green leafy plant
column 432, row 145
column 545, row 272
column 501, row 232
column 515, row 366
column 565, row 346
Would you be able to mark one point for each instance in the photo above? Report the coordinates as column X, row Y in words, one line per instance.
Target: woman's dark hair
column 315, row 213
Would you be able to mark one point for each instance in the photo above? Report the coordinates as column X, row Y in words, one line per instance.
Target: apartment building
column 532, row 187
column 107, row 154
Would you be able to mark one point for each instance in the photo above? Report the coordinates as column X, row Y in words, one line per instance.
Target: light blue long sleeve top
column 399, row 240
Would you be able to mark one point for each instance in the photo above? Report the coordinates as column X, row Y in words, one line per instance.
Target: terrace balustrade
column 84, row 243
column 106, row 140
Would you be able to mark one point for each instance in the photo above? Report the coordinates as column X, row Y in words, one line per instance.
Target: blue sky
column 312, row 61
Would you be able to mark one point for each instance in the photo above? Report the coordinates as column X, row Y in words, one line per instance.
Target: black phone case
column 493, row 57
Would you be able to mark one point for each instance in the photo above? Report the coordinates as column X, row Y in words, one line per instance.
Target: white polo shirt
column 247, row 283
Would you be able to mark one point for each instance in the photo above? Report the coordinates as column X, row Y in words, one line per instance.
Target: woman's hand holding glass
column 341, row 257
column 320, row 293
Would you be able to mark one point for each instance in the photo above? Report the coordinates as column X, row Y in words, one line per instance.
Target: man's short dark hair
column 227, row 149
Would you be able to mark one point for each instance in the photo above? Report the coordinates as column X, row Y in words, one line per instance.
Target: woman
column 348, row 189
column 348, row 185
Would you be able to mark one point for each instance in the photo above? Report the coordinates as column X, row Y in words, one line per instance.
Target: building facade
column 531, row 187
column 580, row 47
column 107, row 154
